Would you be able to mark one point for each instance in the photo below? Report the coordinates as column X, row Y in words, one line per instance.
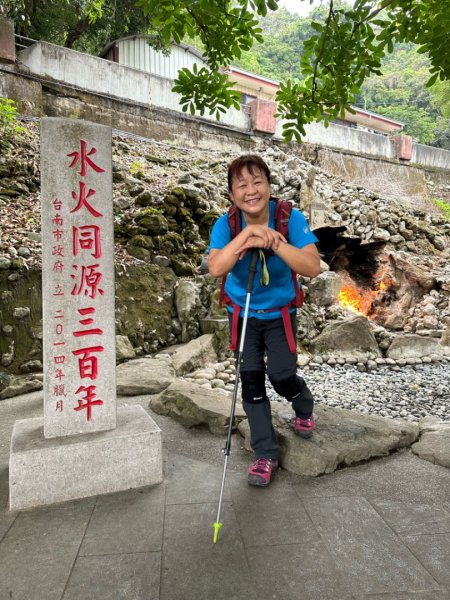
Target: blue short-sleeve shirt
column 280, row 290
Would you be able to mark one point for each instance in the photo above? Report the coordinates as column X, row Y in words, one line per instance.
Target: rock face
column 412, row 283
column 189, row 308
column 194, row 405
column 144, row 376
column 434, row 443
column 145, row 305
column 349, row 339
column 342, row 437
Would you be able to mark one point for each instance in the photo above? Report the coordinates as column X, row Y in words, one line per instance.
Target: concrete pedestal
column 44, row 471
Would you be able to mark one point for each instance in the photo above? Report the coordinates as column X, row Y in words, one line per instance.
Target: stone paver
column 376, row 531
column 365, row 548
column 39, row 550
column 126, row 522
column 115, row 577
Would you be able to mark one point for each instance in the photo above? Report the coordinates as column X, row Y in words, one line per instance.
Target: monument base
column 44, row 471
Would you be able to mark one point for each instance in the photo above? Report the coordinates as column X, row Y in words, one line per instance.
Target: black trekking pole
column 226, row 450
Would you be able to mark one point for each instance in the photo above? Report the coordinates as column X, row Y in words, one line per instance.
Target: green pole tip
column 217, row 527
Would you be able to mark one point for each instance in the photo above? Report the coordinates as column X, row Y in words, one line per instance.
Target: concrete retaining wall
column 429, row 156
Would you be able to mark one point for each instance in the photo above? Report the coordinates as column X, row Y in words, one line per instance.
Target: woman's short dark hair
column 249, row 161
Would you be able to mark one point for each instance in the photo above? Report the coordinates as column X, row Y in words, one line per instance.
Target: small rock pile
column 219, row 375
column 409, row 392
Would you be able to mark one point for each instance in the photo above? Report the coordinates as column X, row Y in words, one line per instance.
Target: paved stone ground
column 376, row 531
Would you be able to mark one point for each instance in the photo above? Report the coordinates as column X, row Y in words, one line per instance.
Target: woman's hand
column 260, row 236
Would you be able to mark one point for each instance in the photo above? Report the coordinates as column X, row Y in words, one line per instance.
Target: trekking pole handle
column 252, row 269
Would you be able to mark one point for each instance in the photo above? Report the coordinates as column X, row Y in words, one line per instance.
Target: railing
column 19, row 39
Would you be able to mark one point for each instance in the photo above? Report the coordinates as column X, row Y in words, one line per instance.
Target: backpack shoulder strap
column 235, row 224
column 282, row 215
column 234, row 221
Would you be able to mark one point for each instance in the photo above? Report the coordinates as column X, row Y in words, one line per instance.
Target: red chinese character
column 83, row 200
column 83, row 156
column 58, row 390
column 88, row 237
column 58, row 290
column 59, row 374
column 88, row 365
column 57, row 204
column 90, row 279
column 59, row 316
column 58, row 266
column 59, row 343
column 59, row 405
column 60, row 360
column 58, row 251
column 59, row 328
column 57, row 234
column 90, row 400
column 58, row 220
column 89, row 321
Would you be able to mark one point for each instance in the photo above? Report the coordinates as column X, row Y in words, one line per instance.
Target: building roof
column 252, row 80
column 185, row 47
column 373, row 120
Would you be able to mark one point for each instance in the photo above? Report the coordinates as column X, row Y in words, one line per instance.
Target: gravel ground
column 410, row 393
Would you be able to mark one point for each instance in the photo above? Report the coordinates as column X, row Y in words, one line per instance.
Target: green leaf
column 432, row 80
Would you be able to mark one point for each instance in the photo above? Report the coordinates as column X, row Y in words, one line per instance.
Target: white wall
column 427, row 155
column 108, row 78
column 346, row 138
column 136, row 53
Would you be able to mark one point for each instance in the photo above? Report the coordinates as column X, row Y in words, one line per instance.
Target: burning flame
column 360, row 300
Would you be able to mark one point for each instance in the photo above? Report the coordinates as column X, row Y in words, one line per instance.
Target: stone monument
column 83, row 446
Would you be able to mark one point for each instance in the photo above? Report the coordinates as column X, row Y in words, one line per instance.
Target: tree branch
column 375, row 12
column 324, row 39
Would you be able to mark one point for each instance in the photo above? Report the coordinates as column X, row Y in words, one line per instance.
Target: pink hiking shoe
column 304, row 427
column 261, row 471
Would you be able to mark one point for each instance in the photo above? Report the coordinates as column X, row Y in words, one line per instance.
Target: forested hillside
column 400, row 92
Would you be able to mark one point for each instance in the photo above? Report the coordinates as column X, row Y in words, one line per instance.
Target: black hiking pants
column 266, row 350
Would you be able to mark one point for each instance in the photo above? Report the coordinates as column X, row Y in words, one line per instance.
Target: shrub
column 9, row 127
column 443, row 206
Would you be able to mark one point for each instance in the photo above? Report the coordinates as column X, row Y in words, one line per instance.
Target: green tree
column 400, row 92
column 85, row 25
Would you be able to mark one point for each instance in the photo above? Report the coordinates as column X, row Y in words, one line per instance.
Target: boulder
column 434, row 442
column 144, row 376
column 411, row 345
column 194, row 354
column 347, row 339
column 324, row 289
column 445, row 339
column 20, row 385
column 124, row 348
column 192, row 405
column 342, row 438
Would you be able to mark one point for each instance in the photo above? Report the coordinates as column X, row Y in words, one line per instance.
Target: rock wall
column 165, row 202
